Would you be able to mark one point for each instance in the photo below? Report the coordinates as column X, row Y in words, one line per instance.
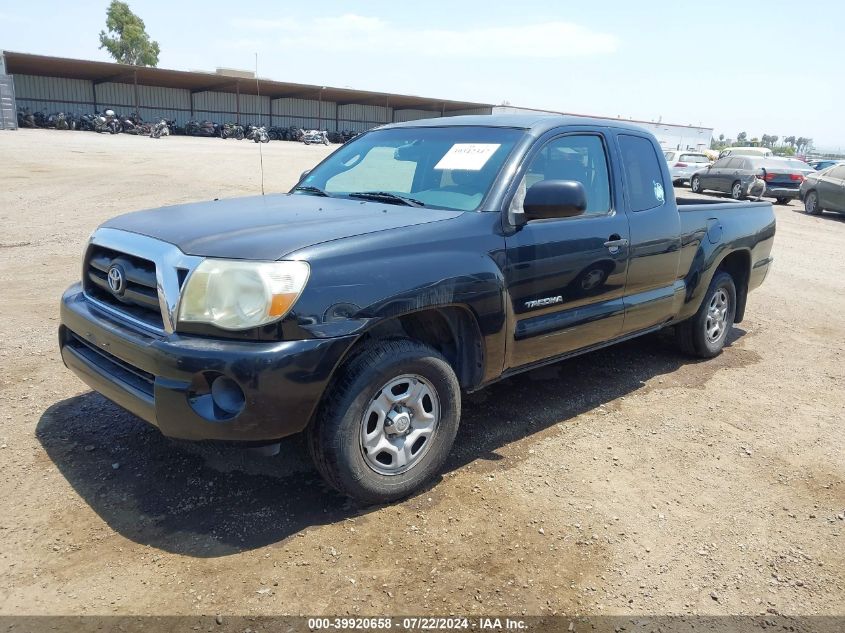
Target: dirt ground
column 629, row 481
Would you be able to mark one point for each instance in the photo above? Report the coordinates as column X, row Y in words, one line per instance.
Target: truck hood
column 269, row 227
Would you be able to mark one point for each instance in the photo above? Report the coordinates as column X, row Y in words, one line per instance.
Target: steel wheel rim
column 811, row 202
column 737, row 190
column 399, row 424
column 715, row 325
column 695, row 185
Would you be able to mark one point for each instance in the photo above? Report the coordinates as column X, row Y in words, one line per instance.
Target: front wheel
column 736, row 191
column 388, row 421
column 705, row 333
column 811, row 203
column 695, row 185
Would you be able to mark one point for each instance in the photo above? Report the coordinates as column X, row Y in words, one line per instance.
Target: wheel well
column 452, row 331
column 738, row 266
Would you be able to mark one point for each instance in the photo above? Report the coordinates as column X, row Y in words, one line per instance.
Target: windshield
column 443, row 168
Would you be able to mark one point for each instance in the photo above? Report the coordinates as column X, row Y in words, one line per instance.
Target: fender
column 405, row 273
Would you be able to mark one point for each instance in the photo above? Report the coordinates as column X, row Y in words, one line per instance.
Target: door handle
column 615, row 243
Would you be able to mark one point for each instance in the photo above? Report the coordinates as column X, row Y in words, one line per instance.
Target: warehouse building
column 669, row 135
column 57, row 84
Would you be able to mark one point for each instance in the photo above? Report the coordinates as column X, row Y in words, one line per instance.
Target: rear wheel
column 811, row 203
column 388, row 421
column 736, row 191
column 695, row 185
column 705, row 333
column 782, row 200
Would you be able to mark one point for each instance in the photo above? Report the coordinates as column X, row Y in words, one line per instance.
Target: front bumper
column 165, row 380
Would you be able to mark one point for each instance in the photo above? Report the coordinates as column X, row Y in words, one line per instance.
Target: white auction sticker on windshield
column 467, row 156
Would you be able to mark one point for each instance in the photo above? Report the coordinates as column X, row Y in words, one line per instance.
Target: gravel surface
column 629, row 481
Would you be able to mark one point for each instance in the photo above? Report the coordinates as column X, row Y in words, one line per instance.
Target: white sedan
column 683, row 164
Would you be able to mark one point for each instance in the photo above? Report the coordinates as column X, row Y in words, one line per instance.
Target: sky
column 773, row 67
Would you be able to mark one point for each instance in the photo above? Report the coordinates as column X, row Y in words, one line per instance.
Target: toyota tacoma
column 415, row 263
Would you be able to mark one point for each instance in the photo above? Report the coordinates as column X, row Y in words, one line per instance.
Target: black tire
column 334, row 438
column 239, row 135
column 692, row 334
column 736, row 190
column 811, row 203
column 695, row 185
column 782, row 200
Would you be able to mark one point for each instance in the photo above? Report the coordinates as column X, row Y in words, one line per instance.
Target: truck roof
column 536, row 122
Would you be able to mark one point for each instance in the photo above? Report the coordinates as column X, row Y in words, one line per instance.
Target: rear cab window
column 643, row 176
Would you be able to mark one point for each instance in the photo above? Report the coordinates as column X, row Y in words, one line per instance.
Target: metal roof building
column 669, row 135
column 75, row 85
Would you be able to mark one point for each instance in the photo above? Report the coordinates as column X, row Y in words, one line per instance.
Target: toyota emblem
column 117, row 279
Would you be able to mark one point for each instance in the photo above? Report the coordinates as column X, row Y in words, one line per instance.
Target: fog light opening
column 227, row 395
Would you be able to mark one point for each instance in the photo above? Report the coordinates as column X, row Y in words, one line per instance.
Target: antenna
column 260, row 151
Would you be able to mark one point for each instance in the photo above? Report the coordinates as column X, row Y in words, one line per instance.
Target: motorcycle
column 26, row 118
column 258, row 134
column 277, row 133
column 41, row 119
column 60, row 122
column 314, row 137
column 232, row 130
column 162, row 128
column 134, row 125
column 202, row 128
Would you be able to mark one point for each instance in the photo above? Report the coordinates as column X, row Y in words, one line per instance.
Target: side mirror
column 303, row 174
column 549, row 199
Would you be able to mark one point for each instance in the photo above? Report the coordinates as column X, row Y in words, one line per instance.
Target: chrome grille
column 139, row 297
column 153, row 272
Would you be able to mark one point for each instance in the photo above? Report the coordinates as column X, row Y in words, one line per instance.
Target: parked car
column 418, row 261
column 819, row 165
column 683, row 164
column 749, row 176
column 824, row 190
column 746, row 151
column 797, row 164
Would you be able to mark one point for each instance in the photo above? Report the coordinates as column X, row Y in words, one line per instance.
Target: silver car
column 683, row 164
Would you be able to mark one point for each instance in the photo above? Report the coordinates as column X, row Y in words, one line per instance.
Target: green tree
column 127, row 40
column 789, row 140
column 741, row 137
column 765, row 139
column 721, row 138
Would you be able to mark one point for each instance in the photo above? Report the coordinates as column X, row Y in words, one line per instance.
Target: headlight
column 238, row 295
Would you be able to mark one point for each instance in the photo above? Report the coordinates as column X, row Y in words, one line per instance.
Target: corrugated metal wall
column 360, row 118
column 413, row 115
column 53, row 94
column 305, row 113
column 470, row 111
column 255, row 110
column 8, row 110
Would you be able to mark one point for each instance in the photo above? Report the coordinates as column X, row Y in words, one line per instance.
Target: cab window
column 578, row 157
column 643, row 176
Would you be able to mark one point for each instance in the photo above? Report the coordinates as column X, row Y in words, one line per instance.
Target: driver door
column 566, row 276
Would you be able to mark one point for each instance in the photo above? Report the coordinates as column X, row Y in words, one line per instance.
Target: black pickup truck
column 418, row 261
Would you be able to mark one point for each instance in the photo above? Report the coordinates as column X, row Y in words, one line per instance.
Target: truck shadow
column 208, row 500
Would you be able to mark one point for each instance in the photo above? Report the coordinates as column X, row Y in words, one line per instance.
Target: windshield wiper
column 386, row 196
column 315, row 190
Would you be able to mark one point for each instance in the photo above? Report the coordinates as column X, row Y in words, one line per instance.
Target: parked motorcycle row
column 111, row 123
